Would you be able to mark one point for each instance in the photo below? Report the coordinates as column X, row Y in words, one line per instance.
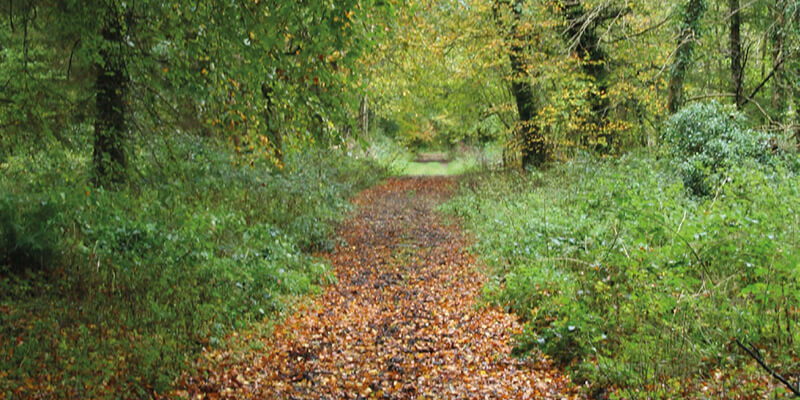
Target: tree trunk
column 795, row 89
column 533, row 151
column 736, row 53
column 593, row 64
column 273, row 134
column 779, row 79
column 110, row 161
column 363, row 115
column 692, row 12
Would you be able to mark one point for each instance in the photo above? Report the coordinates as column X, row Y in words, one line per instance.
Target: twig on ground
column 754, row 353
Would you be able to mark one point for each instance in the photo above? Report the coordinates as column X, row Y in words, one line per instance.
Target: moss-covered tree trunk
column 737, row 72
column 581, row 32
column 363, row 115
column 533, row 149
column 690, row 14
column 272, row 130
column 778, row 39
column 110, row 161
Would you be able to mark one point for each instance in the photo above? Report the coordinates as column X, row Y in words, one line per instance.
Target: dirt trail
column 401, row 322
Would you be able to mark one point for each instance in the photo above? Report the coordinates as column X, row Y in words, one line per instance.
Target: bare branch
column 763, row 82
column 753, row 352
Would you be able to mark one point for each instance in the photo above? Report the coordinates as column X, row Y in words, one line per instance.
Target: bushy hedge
column 706, row 140
column 634, row 283
column 129, row 283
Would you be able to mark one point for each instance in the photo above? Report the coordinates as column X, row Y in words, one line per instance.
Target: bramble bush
column 124, row 286
column 626, row 276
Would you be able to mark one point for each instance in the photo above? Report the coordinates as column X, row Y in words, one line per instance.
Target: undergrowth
column 105, row 292
column 638, row 275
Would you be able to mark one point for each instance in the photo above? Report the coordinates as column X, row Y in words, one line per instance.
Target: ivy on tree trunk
column 110, row 161
column 690, row 15
column 533, row 147
column 582, row 34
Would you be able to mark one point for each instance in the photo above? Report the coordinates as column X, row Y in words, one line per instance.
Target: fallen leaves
column 400, row 323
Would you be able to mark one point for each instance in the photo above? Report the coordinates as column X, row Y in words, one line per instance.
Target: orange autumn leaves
column 400, row 323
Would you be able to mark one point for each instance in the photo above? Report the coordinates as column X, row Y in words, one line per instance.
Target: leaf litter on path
column 401, row 323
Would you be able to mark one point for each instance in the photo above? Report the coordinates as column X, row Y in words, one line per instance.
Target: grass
column 456, row 167
column 463, row 160
column 458, row 160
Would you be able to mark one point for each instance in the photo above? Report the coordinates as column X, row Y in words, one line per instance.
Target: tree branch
column 754, row 354
column 11, row 14
column 761, row 85
column 71, row 54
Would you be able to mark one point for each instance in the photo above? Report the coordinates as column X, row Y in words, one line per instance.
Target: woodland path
column 401, row 323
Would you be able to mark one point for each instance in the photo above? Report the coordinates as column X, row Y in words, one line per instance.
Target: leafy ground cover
column 638, row 273
column 105, row 293
column 400, row 322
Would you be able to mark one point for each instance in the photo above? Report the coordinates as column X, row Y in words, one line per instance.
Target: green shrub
column 28, row 237
column 194, row 246
column 625, row 279
column 706, row 140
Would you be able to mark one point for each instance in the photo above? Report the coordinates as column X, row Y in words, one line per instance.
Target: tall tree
column 533, row 146
column 689, row 15
column 583, row 39
column 111, row 84
column 735, row 36
column 778, row 41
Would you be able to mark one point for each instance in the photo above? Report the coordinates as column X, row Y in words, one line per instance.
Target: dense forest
column 184, row 182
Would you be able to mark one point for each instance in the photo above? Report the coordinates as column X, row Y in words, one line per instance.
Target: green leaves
column 707, row 142
column 193, row 67
column 438, row 75
column 654, row 282
column 124, row 285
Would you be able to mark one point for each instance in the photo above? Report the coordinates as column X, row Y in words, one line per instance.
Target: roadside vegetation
column 640, row 272
column 108, row 292
column 167, row 170
column 171, row 172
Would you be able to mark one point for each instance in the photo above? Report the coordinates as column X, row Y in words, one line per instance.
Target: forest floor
column 400, row 323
